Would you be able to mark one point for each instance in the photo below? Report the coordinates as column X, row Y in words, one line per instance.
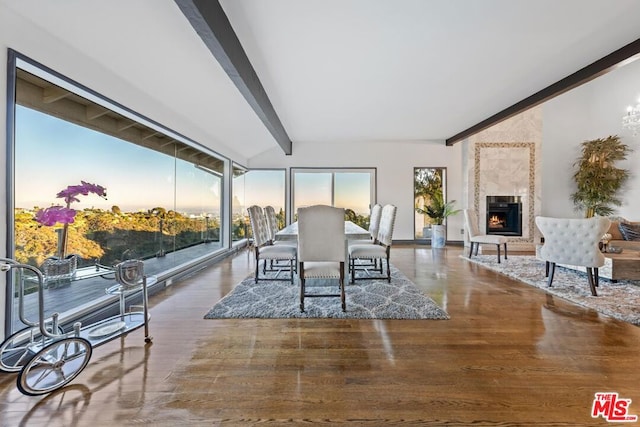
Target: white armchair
column 573, row 241
column 476, row 238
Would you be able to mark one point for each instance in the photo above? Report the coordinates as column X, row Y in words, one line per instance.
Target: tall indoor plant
column 597, row 178
column 438, row 211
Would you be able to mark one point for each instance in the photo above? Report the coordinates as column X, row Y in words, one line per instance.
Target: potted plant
column 598, row 180
column 438, row 211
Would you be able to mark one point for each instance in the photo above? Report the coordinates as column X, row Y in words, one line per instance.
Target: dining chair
column 476, row 238
column 273, row 228
column 374, row 225
column 573, row 241
column 265, row 250
column 379, row 251
column 321, row 238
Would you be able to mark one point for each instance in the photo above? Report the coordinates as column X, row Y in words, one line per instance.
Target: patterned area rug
column 620, row 300
column 366, row 299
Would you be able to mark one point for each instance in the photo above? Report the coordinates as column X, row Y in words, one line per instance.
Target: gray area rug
column 366, row 299
column 620, row 300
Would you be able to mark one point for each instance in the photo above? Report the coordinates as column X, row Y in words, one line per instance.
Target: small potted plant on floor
column 438, row 211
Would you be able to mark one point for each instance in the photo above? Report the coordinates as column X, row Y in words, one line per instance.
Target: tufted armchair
column 573, row 242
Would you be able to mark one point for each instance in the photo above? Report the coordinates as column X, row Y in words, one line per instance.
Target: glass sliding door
column 351, row 189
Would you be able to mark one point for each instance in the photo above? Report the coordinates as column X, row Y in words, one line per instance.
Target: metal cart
column 45, row 356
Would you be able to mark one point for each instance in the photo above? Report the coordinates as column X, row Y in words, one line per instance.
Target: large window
column 352, row 189
column 136, row 191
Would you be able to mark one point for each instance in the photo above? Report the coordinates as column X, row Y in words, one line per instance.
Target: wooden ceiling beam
column 212, row 25
column 616, row 59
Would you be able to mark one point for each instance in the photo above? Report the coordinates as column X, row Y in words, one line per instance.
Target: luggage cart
column 45, row 357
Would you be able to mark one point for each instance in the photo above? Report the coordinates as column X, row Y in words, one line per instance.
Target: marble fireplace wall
column 504, row 161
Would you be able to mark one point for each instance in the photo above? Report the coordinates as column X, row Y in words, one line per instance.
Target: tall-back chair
column 321, row 249
column 476, row 238
column 265, row 250
column 573, row 241
column 376, row 252
column 272, row 222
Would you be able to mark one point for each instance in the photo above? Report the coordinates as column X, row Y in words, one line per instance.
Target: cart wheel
column 15, row 351
column 18, row 349
column 57, row 364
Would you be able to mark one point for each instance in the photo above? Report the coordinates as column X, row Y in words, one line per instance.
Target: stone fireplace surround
column 508, row 169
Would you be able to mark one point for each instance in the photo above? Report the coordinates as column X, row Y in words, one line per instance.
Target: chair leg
column 546, row 269
column 352, row 265
column 257, row 264
column 552, row 270
column 498, row 252
column 477, row 247
column 302, row 290
column 505, row 250
column 592, row 283
column 388, row 267
column 342, row 294
column 291, row 266
column 470, row 249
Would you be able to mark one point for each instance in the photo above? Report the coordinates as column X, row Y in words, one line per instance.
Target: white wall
column 591, row 111
column 394, row 162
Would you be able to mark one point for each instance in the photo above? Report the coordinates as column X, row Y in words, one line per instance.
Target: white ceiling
column 345, row 70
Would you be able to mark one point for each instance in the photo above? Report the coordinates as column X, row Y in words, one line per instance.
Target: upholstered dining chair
column 321, row 250
column 265, row 250
column 379, row 251
column 374, row 225
column 476, row 238
column 273, row 228
column 573, row 241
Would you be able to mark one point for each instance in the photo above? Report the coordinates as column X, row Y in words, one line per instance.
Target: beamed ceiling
column 257, row 75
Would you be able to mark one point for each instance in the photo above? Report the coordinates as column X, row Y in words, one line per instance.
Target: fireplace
column 504, row 215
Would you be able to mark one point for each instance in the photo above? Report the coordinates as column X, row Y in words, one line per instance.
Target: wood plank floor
column 510, row 355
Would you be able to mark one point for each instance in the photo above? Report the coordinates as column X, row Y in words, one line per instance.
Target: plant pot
column 438, row 236
column 426, row 232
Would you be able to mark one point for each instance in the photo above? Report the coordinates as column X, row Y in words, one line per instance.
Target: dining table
column 352, row 231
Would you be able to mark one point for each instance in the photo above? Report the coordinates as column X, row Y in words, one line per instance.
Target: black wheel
column 18, row 349
column 54, row 366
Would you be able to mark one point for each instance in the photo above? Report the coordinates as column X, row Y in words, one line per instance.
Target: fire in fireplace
column 504, row 215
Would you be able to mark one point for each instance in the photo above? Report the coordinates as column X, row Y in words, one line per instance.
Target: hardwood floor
column 510, row 355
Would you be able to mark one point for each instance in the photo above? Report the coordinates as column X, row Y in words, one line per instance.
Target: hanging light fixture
column 631, row 120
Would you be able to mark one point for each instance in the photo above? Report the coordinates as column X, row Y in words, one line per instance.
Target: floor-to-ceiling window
column 429, row 185
column 239, row 223
column 96, row 184
column 351, row 189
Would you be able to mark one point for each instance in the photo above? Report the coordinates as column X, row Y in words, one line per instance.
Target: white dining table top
column 352, row 232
